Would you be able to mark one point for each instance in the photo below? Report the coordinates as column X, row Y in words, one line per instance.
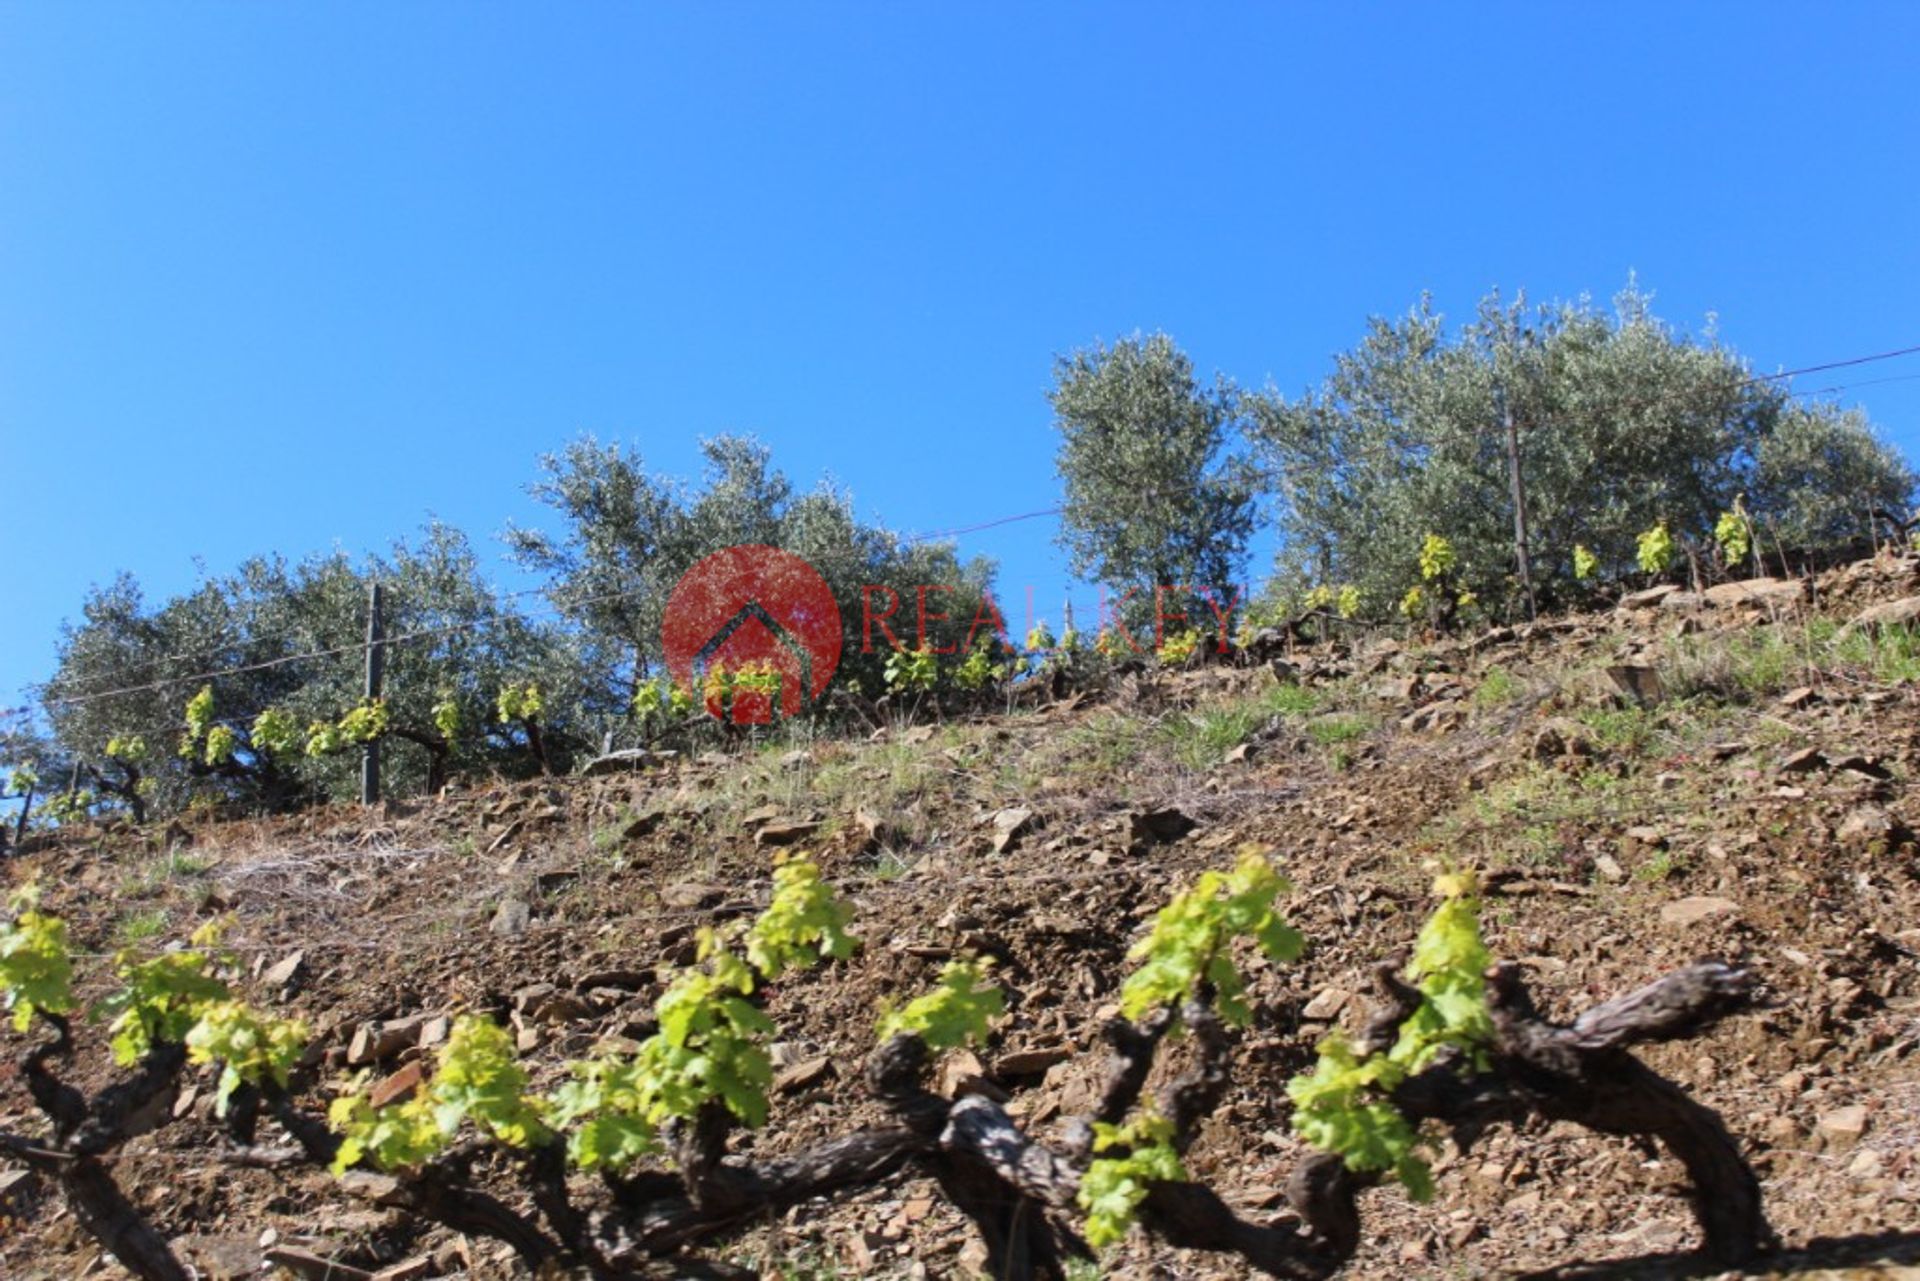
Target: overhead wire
column 942, row 535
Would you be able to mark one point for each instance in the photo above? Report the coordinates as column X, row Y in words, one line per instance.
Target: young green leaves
column 1127, row 1161
column 1191, row 941
column 478, row 1080
column 960, row 1011
column 710, row 1046
column 251, row 1048
column 804, row 922
column 36, row 971
column 1345, row 1104
column 1449, row 965
column 1655, row 550
column 911, row 670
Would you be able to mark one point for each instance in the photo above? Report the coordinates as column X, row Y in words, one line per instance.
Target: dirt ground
column 1755, row 811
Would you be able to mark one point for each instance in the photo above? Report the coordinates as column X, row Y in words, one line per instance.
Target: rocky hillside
column 1686, row 776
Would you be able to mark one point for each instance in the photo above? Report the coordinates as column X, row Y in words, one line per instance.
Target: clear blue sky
column 285, row 278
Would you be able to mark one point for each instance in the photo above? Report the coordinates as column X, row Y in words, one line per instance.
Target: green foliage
column 1177, row 647
column 69, row 807
column 1154, row 494
column 1585, row 563
column 1345, row 1104
column 911, row 670
column 199, row 721
column 36, row 970
column 1497, row 686
column 1733, row 531
column 400, row 1136
column 1322, row 598
column 519, row 702
column 1127, row 1161
column 369, row 720
column 160, row 999
column 804, row 922
column 1040, row 638
column 1342, row 1106
column 1414, row 603
column 324, row 738
column 710, row 1046
column 1449, row 965
column 477, row 1079
column 131, row 748
column 447, row 718
column 960, row 1011
column 275, row 732
column 1654, row 550
column 1191, row 940
column 1436, row 558
column 978, row 671
column 221, row 742
column 604, row 1111
column 661, row 699
column 250, row 1047
column 268, row 610
column 1622, row 421
column 626, row 537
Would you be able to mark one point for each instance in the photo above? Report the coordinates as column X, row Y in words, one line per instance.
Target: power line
column 911, row 540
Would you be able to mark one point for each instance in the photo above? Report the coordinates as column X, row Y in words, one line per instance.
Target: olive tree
column 1618, row 422
column 1155, row 495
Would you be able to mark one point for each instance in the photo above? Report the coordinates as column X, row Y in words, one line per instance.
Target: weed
column 1663, row 865
column 1200, row 739
column 1497, row 687
column 888, row 865
column 1108, row 744
column 1294, row 700
column 138, row 927
column 1888, row 654
column 1628, row 730
column 1338, row 728
column 175, row 865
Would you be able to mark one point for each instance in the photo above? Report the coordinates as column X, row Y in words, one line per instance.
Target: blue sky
column 278, row 278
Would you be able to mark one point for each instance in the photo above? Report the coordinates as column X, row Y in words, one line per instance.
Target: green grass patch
column 138, row 927
column 1497, row 688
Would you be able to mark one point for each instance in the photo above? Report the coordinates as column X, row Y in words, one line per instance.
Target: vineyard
column 1584, row 947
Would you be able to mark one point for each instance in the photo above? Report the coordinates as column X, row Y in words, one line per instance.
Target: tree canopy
column 1622, row 425
column 1155, row 495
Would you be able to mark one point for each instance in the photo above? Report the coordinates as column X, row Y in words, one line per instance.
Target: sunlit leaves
column 1655, row 550
column 159, row 1002
column 1436, row 558
column 1190, row 943
column 911, row 670
column 804, row 922
column 959, row 1011
column 36, row 971
column 1127, row 1161
column 250, row 1047
column 477, row 1079
column 519, row 702
column 1344, row 1105
column 276, row 732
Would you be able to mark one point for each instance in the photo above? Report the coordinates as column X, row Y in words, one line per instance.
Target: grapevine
column 1191, row 940
column 35, row 971
column 1344, row 1105
column 959, row 1011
